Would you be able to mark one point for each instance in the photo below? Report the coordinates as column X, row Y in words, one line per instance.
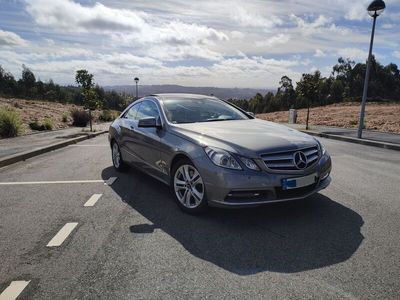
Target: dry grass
column 379, row 116
column 33, row 110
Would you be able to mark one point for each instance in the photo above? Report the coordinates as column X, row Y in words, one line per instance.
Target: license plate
column 294, row 183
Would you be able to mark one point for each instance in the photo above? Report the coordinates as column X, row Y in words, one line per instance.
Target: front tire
column 187, row 187
column 116, row 156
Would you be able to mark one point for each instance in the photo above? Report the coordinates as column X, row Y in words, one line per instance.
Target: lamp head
column 376, row 8
column 136, row 79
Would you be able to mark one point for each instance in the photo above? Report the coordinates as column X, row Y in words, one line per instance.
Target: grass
column 10, row 123
column 108, row 115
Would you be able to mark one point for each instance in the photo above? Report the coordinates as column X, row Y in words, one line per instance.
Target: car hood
column 246, row 137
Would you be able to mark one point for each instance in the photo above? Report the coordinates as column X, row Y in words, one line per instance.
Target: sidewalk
column 370, row 137
column 22, row 144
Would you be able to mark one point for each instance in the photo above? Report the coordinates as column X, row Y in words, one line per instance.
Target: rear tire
column 116, row 156
column 187, row 187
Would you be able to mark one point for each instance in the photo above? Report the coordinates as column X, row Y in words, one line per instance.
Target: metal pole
column 137, row 91
column 365, row 91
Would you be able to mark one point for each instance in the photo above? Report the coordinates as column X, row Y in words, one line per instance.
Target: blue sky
column 198, row 43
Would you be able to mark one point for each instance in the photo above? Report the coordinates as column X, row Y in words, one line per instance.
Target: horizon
column 207, row 44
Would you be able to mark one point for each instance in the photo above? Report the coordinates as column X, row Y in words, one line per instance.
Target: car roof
column 180, row 96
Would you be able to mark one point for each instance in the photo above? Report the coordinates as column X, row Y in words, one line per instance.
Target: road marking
column 92, row 200
column 92, row 145
column 13, row 290
column 60, row 237
column 109, row 181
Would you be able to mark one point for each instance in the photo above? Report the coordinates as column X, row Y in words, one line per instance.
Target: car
column 212, row 153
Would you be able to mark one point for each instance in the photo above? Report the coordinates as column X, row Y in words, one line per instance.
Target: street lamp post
column 374, row 10
column 137, row 81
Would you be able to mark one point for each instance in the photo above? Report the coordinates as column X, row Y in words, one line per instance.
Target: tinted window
column 148, row 109
column 132, row 112
column 200, row 110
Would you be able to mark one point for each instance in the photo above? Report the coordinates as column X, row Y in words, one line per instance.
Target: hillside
column 223, row 93
column 34, row 110
column 379, row 116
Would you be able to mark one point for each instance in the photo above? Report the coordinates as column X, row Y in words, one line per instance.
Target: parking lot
column 130, row 241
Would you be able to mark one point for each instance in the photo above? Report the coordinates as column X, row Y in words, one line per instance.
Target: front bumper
column 232, row 188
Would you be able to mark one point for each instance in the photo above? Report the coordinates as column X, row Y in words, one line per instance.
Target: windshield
column 200, row 110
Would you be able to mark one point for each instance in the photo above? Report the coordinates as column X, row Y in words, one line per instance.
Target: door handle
column 132, row 127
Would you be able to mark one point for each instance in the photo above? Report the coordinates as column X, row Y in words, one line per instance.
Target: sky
column 246, row 44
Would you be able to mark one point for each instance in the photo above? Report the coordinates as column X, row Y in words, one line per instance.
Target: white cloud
column 356, row 11
column 319, row 53
column 70, row 16
column 245, row 18
column 137, row 26
column 353, row 53
column 309, row 28
column 387, row 26
column 170, row 40
column 274, row 40
column 222, row 43
column 8, row 38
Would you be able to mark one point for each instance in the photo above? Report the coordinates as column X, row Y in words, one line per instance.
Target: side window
column 132, row 112
column 148, row 109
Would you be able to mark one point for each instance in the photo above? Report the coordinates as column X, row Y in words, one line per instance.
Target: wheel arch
column 177, row 157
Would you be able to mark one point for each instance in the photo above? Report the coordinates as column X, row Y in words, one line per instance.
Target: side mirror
column 251, row 114
column 149, row 123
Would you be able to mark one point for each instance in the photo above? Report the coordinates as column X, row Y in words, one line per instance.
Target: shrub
column 48, row 124
column 17, row 105
column 80, row 118
column 64, row 118
column 108, row 115
column 10, row 123
column 36, row 126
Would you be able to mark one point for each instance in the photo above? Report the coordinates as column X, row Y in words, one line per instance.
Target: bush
column 10, row 123
column 80, row 118
column 64, row 118
column 48, row 124
column 108, row 115
column 36, row 126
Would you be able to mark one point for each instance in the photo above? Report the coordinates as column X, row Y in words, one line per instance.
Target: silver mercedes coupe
column 211, row 152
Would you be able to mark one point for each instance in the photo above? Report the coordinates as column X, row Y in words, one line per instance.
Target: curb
column 13, row 158
column 354, row 140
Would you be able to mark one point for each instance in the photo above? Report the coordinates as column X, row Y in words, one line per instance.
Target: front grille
column 283, row 161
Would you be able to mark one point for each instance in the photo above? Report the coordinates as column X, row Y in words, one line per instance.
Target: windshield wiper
column 215, row 120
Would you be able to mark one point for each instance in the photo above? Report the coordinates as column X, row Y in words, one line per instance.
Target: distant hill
column 223, row 93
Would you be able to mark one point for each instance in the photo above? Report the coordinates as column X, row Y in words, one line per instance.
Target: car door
column 128, row 133
column 147, row 144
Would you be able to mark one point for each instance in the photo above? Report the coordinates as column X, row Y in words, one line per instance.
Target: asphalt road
column 135, row 243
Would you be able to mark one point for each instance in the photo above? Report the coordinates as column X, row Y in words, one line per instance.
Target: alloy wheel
column 188, row 186
column 116, row 156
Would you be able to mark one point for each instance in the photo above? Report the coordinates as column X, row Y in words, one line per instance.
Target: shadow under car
column 283, row 237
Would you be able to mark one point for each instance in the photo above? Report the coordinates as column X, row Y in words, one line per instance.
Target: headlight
column 222, row 158
column 249, row 163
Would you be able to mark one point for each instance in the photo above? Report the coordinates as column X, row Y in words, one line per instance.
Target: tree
column 28, row 80
column 85, row 79
column 308, row 88
column 285, row 94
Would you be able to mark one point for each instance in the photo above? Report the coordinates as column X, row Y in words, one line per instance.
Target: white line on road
column 13, row 290
column 60, row 237
column 92, row 145
column 92, row 200
column 109, row 181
